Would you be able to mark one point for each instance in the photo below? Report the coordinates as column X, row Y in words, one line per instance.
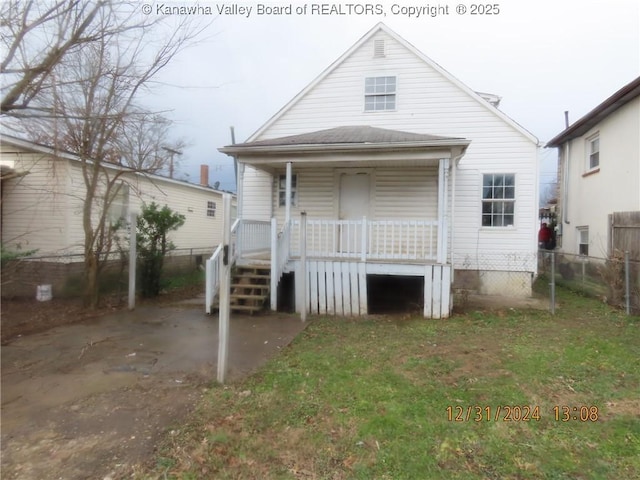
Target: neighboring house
column 402, row 170
column 42, row 200
column 599, row 175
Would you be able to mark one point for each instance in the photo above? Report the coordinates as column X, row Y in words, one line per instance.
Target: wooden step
column 255, row 276
column 257, row 286
column 246, row 308
column 247, row 296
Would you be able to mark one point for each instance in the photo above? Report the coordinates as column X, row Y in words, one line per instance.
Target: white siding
column 429, row 102
column 43, row 210
column 414, row 192
column 256, row 193
column 615, row 188
column 34, row 206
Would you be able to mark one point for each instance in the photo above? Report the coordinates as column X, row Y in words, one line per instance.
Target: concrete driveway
column 89, row 400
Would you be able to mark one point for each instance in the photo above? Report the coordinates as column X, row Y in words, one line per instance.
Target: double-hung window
column 498, row 199
column 583, row 240
column 379, row 93
column 211, row 209
column 593, row 152
column 282, row 190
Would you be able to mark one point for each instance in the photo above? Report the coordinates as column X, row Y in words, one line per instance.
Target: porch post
column 240, row 190
column 287, row 200
column 443, row 199
column 239, row 203
column 274, row 264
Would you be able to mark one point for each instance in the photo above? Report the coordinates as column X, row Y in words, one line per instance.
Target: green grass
column 368, row 399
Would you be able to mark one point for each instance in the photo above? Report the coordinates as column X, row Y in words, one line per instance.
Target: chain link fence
column 614, row 280
column 65, row 273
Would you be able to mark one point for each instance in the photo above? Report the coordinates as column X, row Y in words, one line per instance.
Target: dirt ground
column 92, row 398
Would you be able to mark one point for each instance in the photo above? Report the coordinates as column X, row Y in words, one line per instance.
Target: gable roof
column 595, row 116
column 382, row 27
column 46, row 150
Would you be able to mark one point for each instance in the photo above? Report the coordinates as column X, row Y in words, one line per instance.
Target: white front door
column 354, row 204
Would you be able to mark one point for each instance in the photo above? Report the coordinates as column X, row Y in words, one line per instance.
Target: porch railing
column 254, row 236
column 368, row 239
column 214, row 264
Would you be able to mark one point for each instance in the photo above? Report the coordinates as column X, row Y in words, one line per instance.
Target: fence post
column 303, row 266
column 552, row 283
column 627, row 283
column 225, row 281
column 275, row 270
column 133, row 223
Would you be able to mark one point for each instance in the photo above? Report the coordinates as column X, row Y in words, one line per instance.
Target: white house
column 402, row 170
column 42, row 199
column 599, row 173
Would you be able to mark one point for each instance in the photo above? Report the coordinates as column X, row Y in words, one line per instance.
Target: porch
column 336, row 205
column 332, row 259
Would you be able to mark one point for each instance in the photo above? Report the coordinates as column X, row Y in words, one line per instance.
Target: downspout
column 565, row 181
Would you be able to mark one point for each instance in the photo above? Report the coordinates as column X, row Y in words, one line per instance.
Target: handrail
column 369, row 239
column 212, row 271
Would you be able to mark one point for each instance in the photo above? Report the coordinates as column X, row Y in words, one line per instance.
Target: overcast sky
column 541, row 56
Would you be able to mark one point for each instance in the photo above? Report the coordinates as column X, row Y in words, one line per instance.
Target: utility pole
column 172, row 152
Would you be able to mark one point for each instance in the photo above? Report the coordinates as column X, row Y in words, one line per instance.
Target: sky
column 543, row 57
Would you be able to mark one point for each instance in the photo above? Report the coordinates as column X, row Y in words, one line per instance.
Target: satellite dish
column 216, row 185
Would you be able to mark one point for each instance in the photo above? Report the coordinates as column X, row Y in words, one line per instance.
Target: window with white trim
column 583, row 240
column 379, row 93
column 211, row 209
column 498, row 199
column 593, row 152
column 282, row 190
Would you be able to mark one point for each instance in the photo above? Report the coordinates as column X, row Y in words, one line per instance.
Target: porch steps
column 250, row 286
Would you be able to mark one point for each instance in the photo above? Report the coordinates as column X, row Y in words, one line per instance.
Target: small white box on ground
column 43, row 293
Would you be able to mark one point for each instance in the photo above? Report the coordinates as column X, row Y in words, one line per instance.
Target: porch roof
column 359, row 138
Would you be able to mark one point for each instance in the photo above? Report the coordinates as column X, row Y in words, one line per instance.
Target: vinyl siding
column 34, row 206
column 428, row 102
column 615, row 188
column 43, row 210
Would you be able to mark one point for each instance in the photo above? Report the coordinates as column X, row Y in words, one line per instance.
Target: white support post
column 443, row 179
column 363, row 254
column 239, row 204
column 274, row 264
column 287, row 200
column 225, row 290
column 303, row 266
column 133, row 221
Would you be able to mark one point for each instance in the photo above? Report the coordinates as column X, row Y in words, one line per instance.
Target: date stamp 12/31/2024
column 521, row 413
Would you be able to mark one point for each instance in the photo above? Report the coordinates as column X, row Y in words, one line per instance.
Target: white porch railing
column 368, row 239
column 213, row 265
column 280, row 254
column 254, row 236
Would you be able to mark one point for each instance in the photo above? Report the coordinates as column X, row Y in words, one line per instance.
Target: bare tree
column 85, row 99
column 145, row 145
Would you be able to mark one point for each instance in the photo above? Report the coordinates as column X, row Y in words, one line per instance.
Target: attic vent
column 378, row 49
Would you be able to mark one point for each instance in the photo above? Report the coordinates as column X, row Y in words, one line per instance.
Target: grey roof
column 595, row 116
column 360, row 134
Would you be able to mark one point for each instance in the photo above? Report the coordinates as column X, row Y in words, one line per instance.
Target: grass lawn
column 483, row 395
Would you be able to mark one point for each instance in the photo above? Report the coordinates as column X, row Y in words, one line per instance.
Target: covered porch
column 346, row 203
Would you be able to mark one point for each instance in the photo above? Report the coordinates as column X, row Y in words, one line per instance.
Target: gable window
column 282, row 190
column 379, row 93
column 583, row 240
column 593, row 152
column 498, row 199
column 211, row 209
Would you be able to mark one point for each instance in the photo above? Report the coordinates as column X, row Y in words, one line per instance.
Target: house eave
column 599, row 113
column 312, row 149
